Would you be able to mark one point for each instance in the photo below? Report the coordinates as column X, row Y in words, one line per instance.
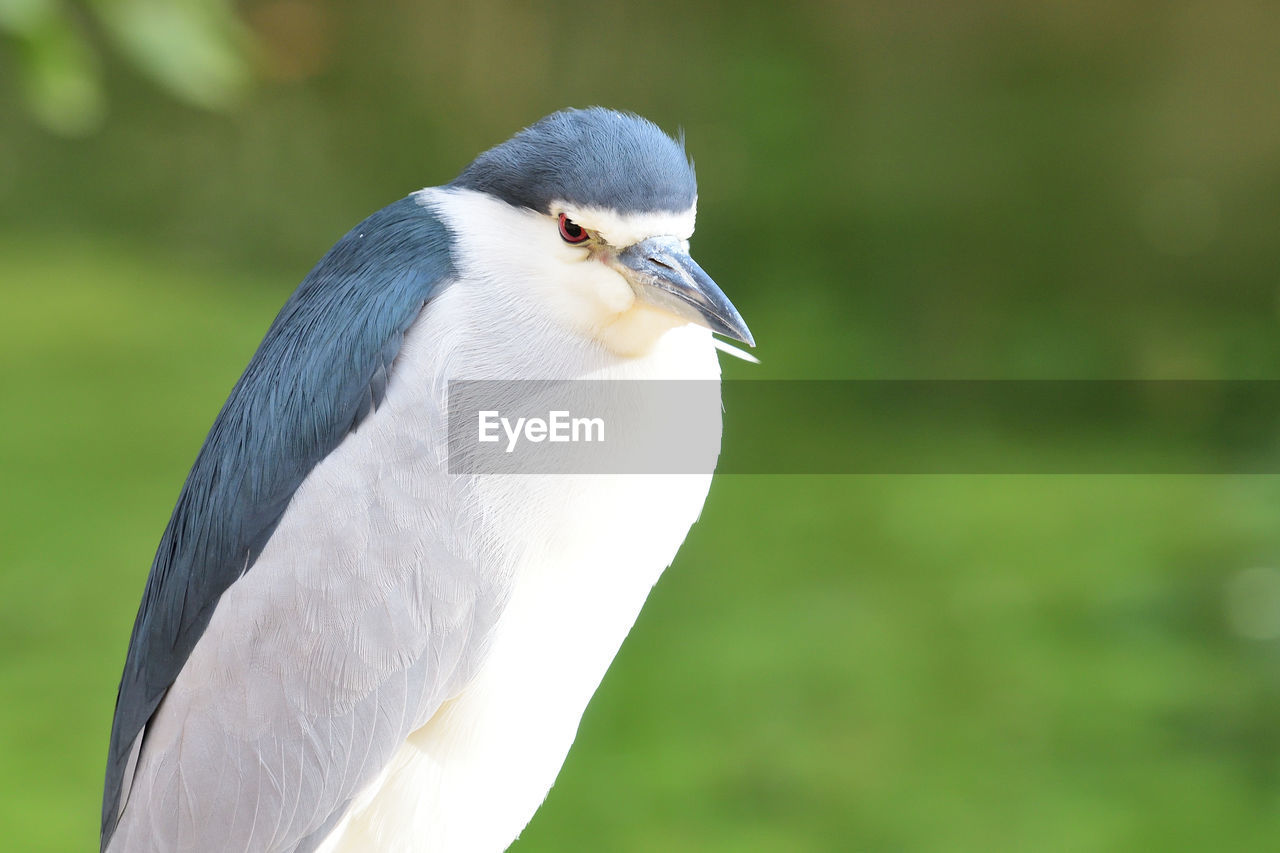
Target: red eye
column 572, row 232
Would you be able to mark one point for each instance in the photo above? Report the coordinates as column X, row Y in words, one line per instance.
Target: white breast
column 582, row 553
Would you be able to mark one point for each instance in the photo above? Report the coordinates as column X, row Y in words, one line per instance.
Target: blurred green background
column 924, row 190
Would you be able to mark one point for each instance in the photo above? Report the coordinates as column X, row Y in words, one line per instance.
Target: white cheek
column 611, row 291
column 524, row 266
column 582, row 291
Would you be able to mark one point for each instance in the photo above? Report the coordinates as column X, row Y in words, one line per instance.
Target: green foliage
column 59, row 72
column 194, row 49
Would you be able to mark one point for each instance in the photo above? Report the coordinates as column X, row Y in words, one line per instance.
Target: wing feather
column 322, row 368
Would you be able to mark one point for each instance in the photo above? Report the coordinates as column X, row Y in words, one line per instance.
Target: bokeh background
column 936, row 190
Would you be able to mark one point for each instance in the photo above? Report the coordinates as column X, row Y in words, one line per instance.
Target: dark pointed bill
column 663, row 274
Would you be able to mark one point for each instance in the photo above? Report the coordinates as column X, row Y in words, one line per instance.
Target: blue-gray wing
column 322, row 368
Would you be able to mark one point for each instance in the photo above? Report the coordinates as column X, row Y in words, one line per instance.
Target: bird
column 345, row 643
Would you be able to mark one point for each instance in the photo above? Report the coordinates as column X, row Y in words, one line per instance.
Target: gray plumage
column 321, row 369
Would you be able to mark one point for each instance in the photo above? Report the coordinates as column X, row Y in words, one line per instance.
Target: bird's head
column 592, row 211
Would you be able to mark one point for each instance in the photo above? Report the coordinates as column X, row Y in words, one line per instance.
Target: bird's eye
column 572, row 232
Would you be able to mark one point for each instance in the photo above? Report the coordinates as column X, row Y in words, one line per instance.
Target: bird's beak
column 663, row 274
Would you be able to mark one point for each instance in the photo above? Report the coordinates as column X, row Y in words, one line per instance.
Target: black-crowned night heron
column 344, row 645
